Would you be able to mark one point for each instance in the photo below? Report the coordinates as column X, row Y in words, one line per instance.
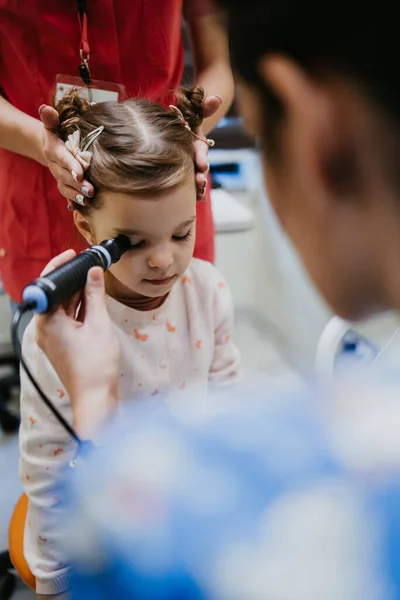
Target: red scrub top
column 134, row 42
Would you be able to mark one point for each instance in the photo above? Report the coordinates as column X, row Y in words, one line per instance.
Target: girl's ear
column 83, row 227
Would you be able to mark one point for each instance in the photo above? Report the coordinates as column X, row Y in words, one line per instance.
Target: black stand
column 9, row 423
column 8, row 581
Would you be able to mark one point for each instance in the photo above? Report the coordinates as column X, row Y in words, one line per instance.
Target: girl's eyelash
column 183, row 238
column 176, row 238
column 137, row 245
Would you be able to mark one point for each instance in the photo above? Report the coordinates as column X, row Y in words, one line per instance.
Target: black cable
column 21, row 310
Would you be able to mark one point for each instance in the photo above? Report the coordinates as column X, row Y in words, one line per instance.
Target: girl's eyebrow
column 133, row 232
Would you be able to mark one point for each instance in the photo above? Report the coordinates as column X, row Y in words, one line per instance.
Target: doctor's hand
column 63, row 166
column 83, row 349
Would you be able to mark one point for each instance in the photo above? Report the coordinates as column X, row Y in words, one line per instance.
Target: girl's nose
column 161, row 259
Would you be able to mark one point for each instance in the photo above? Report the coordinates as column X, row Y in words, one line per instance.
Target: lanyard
column 84, row 48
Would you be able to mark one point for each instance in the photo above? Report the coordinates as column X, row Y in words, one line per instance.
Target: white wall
column 265, row 275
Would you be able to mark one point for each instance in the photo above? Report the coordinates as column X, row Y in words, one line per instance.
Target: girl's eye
column 137, row 245
column 176, row 238
column 182, row 238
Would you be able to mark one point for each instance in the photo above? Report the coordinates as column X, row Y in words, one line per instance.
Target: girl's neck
column 131, row 299
column 142, row 302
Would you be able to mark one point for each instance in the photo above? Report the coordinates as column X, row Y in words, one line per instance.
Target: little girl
column 172, row 314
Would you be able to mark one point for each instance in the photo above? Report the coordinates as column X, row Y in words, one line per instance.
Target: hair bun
column 71, row 109
column 190, row 103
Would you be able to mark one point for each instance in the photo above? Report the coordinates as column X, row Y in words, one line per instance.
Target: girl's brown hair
column 144, row 148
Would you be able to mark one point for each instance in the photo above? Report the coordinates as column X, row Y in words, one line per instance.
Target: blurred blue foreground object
column 275, row 497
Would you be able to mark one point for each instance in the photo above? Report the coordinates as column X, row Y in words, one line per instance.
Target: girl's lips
column 160, row 281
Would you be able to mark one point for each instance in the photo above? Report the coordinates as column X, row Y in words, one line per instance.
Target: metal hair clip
column 91, row 137
column 210, row 143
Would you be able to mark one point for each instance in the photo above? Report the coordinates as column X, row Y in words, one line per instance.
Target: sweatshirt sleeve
column 46, row 450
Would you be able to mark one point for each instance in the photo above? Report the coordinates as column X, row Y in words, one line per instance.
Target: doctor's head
column 320, row 86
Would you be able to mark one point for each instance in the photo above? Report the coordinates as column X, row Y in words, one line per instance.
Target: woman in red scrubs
column 136, row 43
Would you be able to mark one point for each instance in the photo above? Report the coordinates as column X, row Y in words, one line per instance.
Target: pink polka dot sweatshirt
column 185, row 343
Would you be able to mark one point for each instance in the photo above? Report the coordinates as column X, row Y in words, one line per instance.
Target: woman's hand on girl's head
column 63, row 166
column 210, row 106
column 83, row 349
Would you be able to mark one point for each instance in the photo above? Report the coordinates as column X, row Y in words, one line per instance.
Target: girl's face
column 162, row 231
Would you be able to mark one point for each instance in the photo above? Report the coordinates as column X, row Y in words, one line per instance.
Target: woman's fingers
column 62, row 174
column 49, row 117
column 93, row 298
column 211, row 105
column 72, row 195
column 55, row 151
column 201, row 184
column 68, row 187
column 201, row 154
column 67, row 182
column 62, row 164
column 57, row 261
column 71, row 305
column 202, row 167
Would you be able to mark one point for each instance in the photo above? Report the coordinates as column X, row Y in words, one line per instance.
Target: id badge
column 98, row 91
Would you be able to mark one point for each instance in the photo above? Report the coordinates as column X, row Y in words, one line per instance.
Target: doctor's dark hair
column 353, row 40
column 144, row 148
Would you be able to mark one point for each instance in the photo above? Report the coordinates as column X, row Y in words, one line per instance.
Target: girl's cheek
column 129, row 264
